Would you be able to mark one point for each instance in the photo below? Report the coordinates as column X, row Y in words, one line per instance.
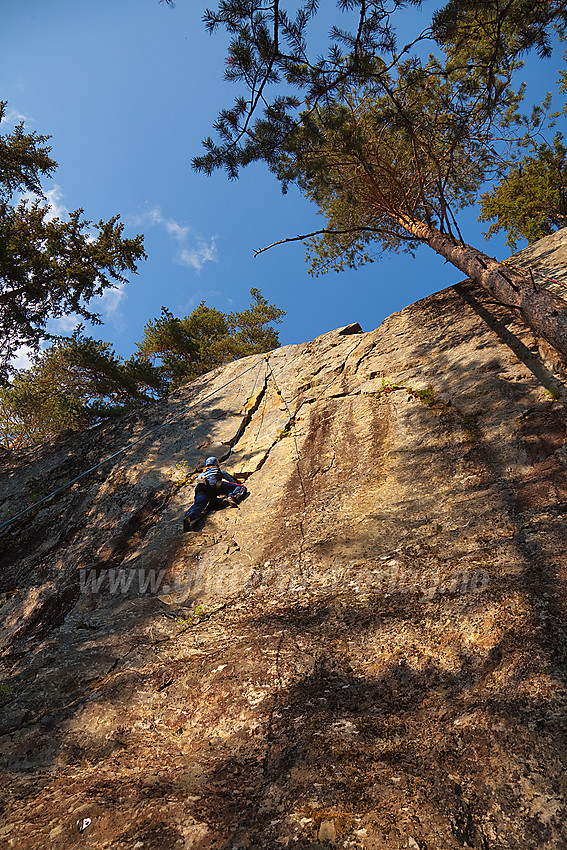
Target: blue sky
column 128, row 89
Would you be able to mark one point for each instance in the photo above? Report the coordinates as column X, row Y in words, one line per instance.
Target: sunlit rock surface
column 369, row 653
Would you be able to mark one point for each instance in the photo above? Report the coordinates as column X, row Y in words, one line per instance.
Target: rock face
column 369, row 653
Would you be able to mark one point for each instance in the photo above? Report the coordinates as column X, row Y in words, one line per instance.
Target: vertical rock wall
column 368, row 653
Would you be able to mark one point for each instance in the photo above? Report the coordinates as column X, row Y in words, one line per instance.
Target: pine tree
column 388, row 145
column 74, row 383
column 251, row 330
column 49, row 267
column 207, row 338
column 531, row 199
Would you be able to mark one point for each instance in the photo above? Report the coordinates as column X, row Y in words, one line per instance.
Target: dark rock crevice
column 369, row 652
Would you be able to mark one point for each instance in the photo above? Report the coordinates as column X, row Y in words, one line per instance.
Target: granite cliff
column 369, row 653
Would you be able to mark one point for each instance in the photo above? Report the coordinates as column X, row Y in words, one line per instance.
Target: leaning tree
column 388, row 142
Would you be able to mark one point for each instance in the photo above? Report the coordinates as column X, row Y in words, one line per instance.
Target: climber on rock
column 213, row 488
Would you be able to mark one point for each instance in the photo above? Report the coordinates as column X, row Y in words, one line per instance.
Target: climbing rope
column 292, row 422
column 167, row 421
column 537, row 274
column 120, row 451
column 293, row 415
column 251, row 396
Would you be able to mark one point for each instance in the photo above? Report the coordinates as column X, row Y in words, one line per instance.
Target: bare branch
column 325, row 232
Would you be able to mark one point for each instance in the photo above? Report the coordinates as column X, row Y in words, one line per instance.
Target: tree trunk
column 543, row 311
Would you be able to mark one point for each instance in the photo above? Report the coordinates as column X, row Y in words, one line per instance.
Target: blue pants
column 206, row 497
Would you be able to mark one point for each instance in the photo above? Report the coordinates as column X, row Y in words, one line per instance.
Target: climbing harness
column 168, row 421
column 120, row 451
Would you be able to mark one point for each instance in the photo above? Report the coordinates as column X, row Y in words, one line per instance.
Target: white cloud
column 22, row 358
column 197, row 257
column 52, row 201
column 64, row 324
column 176, row 230
column 193, row 256
column 56, row 210
column 111, row 300
column 110, row 304
column 13, row 117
